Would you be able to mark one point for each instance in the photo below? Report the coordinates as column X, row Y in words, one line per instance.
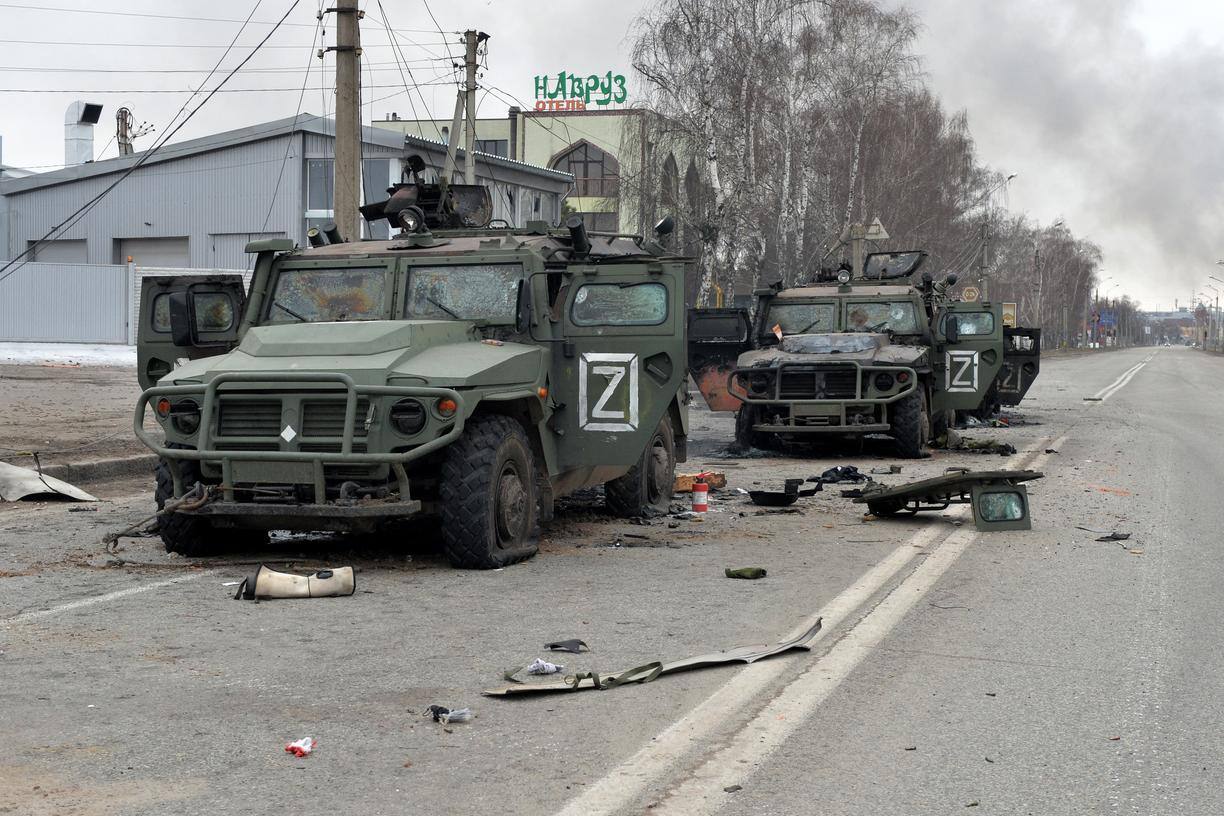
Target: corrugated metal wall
column 65, row 303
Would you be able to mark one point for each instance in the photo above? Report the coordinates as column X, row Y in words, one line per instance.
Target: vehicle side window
column 214, row 312
column 614, row 304
column 975, row 324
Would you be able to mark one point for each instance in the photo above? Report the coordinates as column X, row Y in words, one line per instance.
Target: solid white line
column 97, row 599
column 628, row 781
column 1126, row 376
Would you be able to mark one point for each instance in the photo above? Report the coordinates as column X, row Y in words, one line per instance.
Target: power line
column 167, row 16
column 19, row 261
column 403, row 64
column 178, row 46
column 97, row 91
column 377, row 66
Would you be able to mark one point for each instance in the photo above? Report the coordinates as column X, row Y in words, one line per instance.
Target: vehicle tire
column 190, row 536
column 942, row 422
column 487, row 496
column 911, row 425
column 647, row 488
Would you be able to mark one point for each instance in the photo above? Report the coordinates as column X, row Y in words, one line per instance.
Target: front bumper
column 840, row 414
column 295, row 466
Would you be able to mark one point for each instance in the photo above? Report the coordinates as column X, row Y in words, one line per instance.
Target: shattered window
column 214, row 312
column 325, row 295
column 487, row 292
column 802, row 318
column 616, row 304
column 895, row 316
column 1001, row 506
column 975, row 323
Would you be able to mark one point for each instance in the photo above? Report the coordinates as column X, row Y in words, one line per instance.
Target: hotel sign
column 567, row 91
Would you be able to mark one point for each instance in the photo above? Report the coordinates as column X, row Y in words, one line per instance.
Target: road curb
column 100, row 469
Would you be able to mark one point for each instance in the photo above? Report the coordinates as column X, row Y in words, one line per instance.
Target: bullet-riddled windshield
column 483, row 292
column 802, row 318
column 324, row 295
column 895, row 316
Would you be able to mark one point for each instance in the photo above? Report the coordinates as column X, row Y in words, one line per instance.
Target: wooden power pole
column 472, row 40
column 347, row 183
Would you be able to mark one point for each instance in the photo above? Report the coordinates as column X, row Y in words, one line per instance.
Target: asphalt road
column 1026, row 672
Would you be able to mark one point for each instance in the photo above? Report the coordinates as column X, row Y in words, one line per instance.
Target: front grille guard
column 207, row 392
column 740, row 391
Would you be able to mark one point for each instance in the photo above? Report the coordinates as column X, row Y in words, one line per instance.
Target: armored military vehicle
column 472, row 374
column 847, row 356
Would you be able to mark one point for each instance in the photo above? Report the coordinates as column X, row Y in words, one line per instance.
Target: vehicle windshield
column 802, row 318
column 321, row 295
column 483, row 292
column 895, row 316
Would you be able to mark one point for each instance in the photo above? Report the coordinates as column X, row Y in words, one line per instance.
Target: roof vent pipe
column 79, row 120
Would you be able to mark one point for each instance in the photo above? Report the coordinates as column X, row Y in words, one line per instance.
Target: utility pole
column 347, row 182
column 472, row 40
column 985, row 273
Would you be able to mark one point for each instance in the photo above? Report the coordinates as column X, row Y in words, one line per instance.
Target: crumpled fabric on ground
column 539, row 666
column 841, row 473
column 301, row 748
column 954, row 441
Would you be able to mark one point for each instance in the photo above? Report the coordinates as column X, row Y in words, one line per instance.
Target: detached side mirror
column 951, row 329
column 182, row 320
column 522, row 308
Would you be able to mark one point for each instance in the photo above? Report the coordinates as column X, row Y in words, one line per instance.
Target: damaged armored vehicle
column 848, row 357
column 456, row 371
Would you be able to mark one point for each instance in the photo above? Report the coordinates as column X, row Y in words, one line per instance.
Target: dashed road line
column 26, row 617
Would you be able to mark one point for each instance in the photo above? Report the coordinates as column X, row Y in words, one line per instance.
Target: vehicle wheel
column 911, row 425
column 487, row 496
column 186, row 535
column 744, row 436
column 647, row 487
column 941, row 422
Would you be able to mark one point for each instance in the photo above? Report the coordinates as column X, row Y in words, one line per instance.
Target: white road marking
column 660, row 757
column 26, row 617
column 1126, row 376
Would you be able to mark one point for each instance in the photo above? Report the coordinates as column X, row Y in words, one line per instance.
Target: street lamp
column 1214, row 330
column 985, row 273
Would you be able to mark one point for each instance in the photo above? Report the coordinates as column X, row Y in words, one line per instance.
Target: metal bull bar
column 744, row 395
column 208, row 396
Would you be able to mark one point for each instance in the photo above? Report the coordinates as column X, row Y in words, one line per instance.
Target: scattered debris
column 748, row 573
column 999, row 500
column 951, row 440
column 539, row 666
column 974, row 803
column 655, row 669
column 269, row 583
column 1115, row 537
column 444, row 715
column 1050, row 450
column 684, row 481
column 301, row 748
column 82, row 509
column 911, row 747
column 788, row 496
column 733, row 788
column 886, row 471
column 839, row 474
column 779, row 511
column 574, row 646
column 17, row 483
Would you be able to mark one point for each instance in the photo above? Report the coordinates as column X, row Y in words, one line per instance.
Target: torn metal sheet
column 575, row 646
column 17, row 483
column 999, row 499
column 652, row 671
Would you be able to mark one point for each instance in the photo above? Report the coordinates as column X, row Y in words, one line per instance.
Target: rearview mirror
column 1002, row 507
column 951, row 329
column 522, row 307
column 182, row 319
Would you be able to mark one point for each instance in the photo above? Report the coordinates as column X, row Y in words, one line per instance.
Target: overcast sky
column 1110, row 112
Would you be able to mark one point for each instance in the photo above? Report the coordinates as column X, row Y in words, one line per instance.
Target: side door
column 1021, row 363
column 716, row 339
column 185, row 317
column 621, row 360
column 968, row 357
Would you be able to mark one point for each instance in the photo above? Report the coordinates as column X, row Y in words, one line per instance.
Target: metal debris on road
column 444, row 715
column 999, row 500
column 17, row 483
column 747, row 573
column 269, row 583
column 648, row 672
column 787, row 496
column 574, row 646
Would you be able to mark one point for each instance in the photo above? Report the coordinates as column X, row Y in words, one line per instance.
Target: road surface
column 1033, row 672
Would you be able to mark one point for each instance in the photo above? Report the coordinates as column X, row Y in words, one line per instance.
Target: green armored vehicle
column 469, row 374
column 856, row 356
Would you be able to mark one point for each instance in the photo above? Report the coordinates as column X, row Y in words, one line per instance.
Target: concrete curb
column 101, row 469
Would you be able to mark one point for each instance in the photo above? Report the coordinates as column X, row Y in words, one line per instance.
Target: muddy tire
column 911, row 425
column 190, row 536
column 942, row 422
column 647, row 488
column 487, row 497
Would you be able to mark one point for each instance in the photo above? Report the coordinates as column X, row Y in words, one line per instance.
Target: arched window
column 669, row 184
column 596, row 172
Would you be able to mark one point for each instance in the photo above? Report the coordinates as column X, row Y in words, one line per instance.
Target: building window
column 600, row 221
column 376, row 176
column 495, row 147
column 596, row 172
column 319, row 176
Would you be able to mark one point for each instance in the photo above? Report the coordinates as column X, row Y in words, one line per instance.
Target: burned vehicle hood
column 433, row 352
column 837, row 347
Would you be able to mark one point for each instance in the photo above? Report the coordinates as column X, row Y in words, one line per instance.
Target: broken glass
column 801, row 318
column 484, row 292
column 326, row 295
column 895, row 316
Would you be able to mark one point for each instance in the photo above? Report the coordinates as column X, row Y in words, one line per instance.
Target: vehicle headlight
column 185, row 417
column 884, row 381
column 759, row 383
column 408, row 416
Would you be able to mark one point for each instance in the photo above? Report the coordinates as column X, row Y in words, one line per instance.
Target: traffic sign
column 1009, row 315
column 970, row 294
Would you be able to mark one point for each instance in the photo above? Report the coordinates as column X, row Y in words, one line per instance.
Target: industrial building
column 197, row 203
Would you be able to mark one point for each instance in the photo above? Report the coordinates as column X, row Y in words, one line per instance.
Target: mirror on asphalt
column 1001, row 507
